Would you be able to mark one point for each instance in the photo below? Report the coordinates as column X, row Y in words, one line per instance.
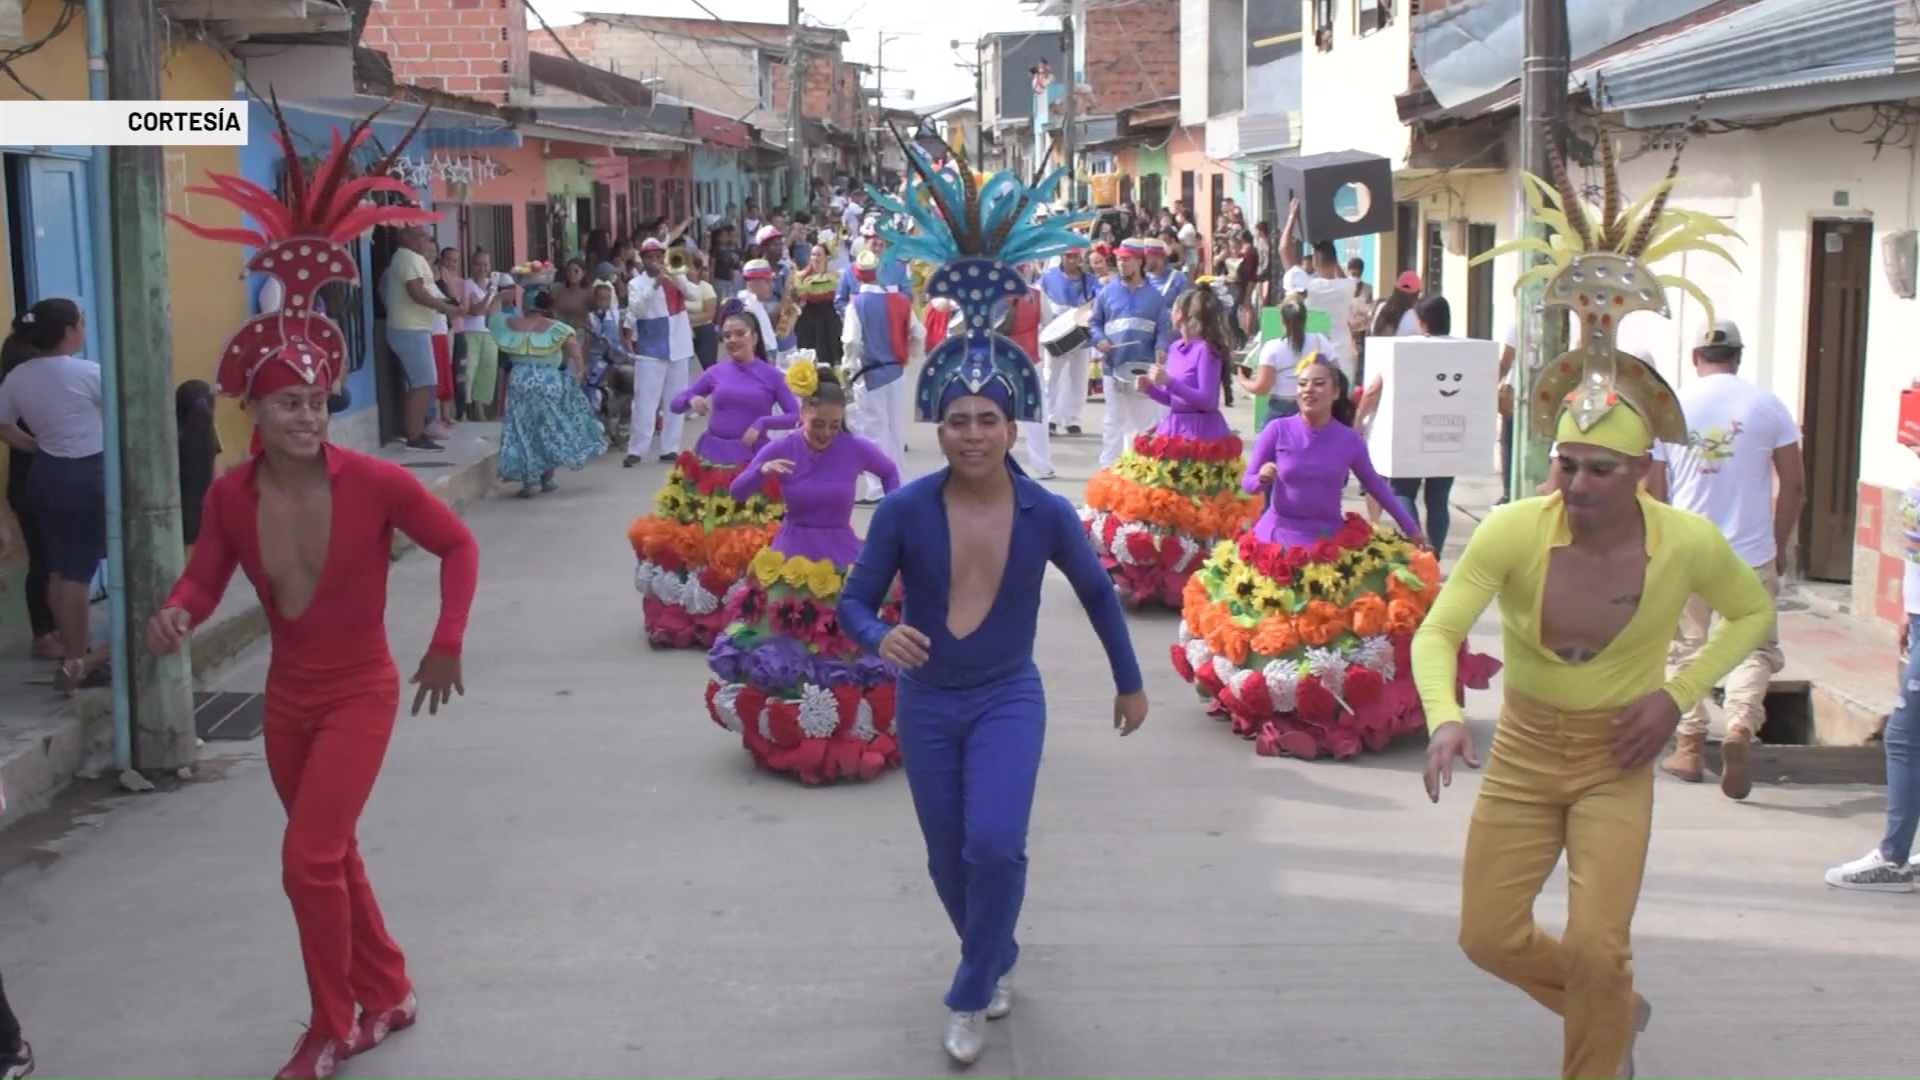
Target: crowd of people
column 1309, row 631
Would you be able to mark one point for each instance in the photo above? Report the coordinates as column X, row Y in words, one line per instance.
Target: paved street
column 591, row 880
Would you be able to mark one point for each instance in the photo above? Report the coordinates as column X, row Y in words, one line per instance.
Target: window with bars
column 539, row 233
column 649, row 200
column 490, row 226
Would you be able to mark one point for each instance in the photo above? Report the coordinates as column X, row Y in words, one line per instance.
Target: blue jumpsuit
column 971, row 720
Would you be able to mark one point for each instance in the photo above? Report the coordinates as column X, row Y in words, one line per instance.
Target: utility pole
column 1069, row 139
column 796, row 119
column 1543, row 109
column 161, row 689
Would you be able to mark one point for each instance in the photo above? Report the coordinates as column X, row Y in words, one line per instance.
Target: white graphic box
column 1438, row 412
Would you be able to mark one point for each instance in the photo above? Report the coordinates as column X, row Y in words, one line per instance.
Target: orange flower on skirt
column 1369, row 615
column 1320, row 623
column 1275, row 636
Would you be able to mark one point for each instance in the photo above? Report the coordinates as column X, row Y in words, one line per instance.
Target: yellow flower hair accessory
column 803, row 379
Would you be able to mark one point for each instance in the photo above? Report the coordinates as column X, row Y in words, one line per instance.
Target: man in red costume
column 312, row 525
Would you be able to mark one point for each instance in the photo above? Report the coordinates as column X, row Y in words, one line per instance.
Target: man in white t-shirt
column 1328, row 290
column 1740, row 437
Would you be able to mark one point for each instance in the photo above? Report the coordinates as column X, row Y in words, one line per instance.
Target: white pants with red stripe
column 880, row 415
column 655, row 382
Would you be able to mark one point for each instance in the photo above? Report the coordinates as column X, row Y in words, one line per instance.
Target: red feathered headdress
column 301, row 243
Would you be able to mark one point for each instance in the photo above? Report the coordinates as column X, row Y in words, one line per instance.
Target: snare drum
column 1064, row 334
column 1126, row 371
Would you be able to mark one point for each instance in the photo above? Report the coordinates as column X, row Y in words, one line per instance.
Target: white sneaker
column 1872, row 873
column 965, row 1037
column 1002, row 1002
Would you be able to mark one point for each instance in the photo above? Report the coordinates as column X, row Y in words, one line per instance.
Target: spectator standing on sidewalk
column 412, row 302
column 1890, row 866
column 1740, row 437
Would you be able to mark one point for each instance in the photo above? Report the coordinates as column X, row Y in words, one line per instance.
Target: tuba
column 789, row 309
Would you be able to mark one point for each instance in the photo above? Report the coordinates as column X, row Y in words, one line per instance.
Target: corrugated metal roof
column 1772, row 45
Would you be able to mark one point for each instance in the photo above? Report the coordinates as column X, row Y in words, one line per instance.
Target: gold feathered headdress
column 1598, row 263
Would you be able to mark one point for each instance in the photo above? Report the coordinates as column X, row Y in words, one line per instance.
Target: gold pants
column 1551, row 785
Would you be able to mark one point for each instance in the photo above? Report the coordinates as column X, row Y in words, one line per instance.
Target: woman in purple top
column 1299, row 633
column 1156, row 513
column 697, row 543
column 803, row 697
column 1306, row 458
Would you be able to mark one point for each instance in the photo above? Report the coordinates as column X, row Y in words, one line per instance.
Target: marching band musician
column 882, row 337
column 1131, row 330
column 1067, row 287
column 757, row 276
column 1170, row 280
column 663, row 347
column 891, row 276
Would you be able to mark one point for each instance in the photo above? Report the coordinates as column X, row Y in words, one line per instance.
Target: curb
column 75, row 738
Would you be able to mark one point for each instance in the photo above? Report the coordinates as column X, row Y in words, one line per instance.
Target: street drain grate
column 426, row 464
column 228, row 717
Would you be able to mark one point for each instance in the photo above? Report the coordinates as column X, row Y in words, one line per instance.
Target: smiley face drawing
column 1449, row 383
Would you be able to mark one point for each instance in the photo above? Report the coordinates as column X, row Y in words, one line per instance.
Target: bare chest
column 1589, row 598
column 977, row 539
column 295, row 534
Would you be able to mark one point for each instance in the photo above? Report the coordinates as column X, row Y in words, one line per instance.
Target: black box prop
column 1318, row 180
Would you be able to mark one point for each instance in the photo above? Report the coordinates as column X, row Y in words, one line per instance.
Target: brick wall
column 819, row 100
column 1133, row 53
column 475, row 48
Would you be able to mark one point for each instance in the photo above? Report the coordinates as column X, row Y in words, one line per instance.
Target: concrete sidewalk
column 46, row 741
column 592, row 881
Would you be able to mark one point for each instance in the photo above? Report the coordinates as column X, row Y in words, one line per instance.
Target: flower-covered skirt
column 1157, row 512
column 802, row 695
column 1306, row 649
column 695, row 546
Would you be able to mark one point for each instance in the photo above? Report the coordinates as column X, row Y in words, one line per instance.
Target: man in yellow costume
column 1590, row 580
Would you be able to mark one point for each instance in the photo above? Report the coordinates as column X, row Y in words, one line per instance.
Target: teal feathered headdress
column 976, row 233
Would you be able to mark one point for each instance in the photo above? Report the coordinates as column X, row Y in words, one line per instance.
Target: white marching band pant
column 880, row 415
column 655, row 383
column 1066, row 385
column 1128, row 413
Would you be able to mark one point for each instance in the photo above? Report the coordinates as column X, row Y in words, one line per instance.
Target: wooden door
column 1840, row 274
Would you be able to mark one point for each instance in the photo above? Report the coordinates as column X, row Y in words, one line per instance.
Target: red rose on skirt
column 1141, row 548
column 1178, row 653
column 1363, row 686
column 1296, row 558
column 1325, row 551
column 1313, row 701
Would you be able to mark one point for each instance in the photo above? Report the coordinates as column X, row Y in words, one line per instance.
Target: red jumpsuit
column 331, row 699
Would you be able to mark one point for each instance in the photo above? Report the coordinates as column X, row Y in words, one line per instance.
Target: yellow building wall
column 209, row 294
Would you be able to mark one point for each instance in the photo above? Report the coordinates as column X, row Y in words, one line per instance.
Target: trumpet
column 677, row 261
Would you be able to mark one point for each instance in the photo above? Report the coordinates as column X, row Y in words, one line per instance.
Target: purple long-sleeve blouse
column 739, row 396
column 818, row 491
column 1311, row 467
column 1193, row 392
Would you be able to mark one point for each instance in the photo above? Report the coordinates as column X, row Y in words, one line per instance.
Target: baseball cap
column 1723, row 332
column 1408, row 281
column 651, row 244
column 1295, row 280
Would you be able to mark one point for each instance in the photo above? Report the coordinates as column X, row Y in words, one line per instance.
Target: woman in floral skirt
column 697, row 543
column 1157, row 512
column 803, row 697
column 551, row 423
column 1299, row 632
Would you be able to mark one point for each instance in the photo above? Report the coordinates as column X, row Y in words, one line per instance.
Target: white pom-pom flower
column 643, row 574
column 1328, row 666
column 1197, row 654
column 1375, row 654
column 696, row 599
column 863, row 728
column 819, row 712
column 1283, row 683
column 726, row 705
column 1186, row 634
column 667, row 586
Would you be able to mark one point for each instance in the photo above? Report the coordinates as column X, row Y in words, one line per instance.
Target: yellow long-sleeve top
column 1506, row 559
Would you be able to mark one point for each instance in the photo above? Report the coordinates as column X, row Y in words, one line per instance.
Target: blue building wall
column 312, row 135
column 721, row 167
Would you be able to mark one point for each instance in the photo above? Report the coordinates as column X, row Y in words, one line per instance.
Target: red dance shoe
column 376, row 1025
column 315, row 1057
